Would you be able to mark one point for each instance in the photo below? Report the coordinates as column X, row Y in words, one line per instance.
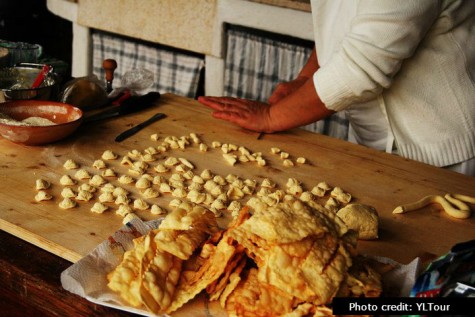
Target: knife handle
column 138, row 103
column 109, row 66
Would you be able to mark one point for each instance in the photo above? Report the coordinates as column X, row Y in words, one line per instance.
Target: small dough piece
column 97, row 180
column 66, row 180
column 332, row 204
column 123, row 210
column 150, row 193
column 260, row 161
column 143, row 183
column 106, row 197
column 268, row 183
column 120, row 191
column 174, row 203
column 68, row 192
column 160, row 168
column 141, row 204
column 129, row 217
column 165, row 188
column 187, row 163
column 158, row 179
column 230, row 158
column 340, row 195
column 171, row 161
column 218, row 204
column 148, row 157
column 179, row 193
column 195, row 196
column 157, row 210
column 67, row 203
column 127, row 161
column 109, row 155
column 235, row 206
column 126, row 179
column 134, row 153
column 84, row 195
column 70, row 165
column 108, row 188
column 87, row 187
column 361, row 218
column 42, row 184
column 99, row 164
column 194, row 138
column 82, row 174
column 188, row 175
column 122, row 200
column 109, row 173
column 206, row 174
column 42, row 195
column 284, row 155
column 287, row 163
column 99, row 208
column 307, row 196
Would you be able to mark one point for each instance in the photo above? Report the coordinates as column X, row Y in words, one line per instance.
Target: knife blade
column 128, row 133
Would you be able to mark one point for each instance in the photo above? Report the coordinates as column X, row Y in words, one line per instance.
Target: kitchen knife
column 124, row 135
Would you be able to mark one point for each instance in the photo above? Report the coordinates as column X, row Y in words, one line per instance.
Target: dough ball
column 83, row 93
column 361, row 218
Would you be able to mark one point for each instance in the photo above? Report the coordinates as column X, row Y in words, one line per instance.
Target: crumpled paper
column 87, row 277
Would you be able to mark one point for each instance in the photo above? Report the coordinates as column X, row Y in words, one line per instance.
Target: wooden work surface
column 378, row 179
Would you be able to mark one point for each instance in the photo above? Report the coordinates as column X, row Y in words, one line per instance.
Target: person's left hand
column 249, row 114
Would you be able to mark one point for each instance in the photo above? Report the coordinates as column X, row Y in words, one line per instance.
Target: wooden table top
column 378, row 179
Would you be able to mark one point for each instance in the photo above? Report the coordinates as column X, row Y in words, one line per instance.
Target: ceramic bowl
column 64, row 120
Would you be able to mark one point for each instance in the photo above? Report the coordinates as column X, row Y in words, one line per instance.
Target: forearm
column 300, row 108
column 311, row 66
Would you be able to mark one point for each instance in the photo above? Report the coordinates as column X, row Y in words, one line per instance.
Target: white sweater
column 414, row 58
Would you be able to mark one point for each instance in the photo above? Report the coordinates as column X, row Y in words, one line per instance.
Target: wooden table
column 373, row 178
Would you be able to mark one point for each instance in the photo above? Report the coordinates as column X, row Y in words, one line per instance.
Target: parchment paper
column 87, row 277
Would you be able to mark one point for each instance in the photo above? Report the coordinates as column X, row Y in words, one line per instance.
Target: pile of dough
column 361, row 218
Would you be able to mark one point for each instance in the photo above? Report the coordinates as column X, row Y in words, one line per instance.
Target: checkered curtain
column 174, row 71
column 256, row 62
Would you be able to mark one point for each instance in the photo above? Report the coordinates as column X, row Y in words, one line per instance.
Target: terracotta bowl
column 66, row 119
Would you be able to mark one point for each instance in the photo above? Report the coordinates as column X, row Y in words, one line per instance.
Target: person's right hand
column 284, row 89
column 249, row 114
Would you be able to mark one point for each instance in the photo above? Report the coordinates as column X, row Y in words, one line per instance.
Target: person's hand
column 249, row 114
column 284, row 89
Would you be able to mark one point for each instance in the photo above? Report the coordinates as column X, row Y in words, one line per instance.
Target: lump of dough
column 67, row 203
column 70, row 165
column 68, row 192
column 66, row 180
column 42, row 195
column 109, row 155
column 84, row 92
column 99, row 208
column 99, row 164
column 42, row 184
column 140, row 204
column 124, row 210
column 361, row 218
column 82, row 174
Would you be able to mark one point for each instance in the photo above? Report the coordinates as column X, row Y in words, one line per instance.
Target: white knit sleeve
column 381, row 35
